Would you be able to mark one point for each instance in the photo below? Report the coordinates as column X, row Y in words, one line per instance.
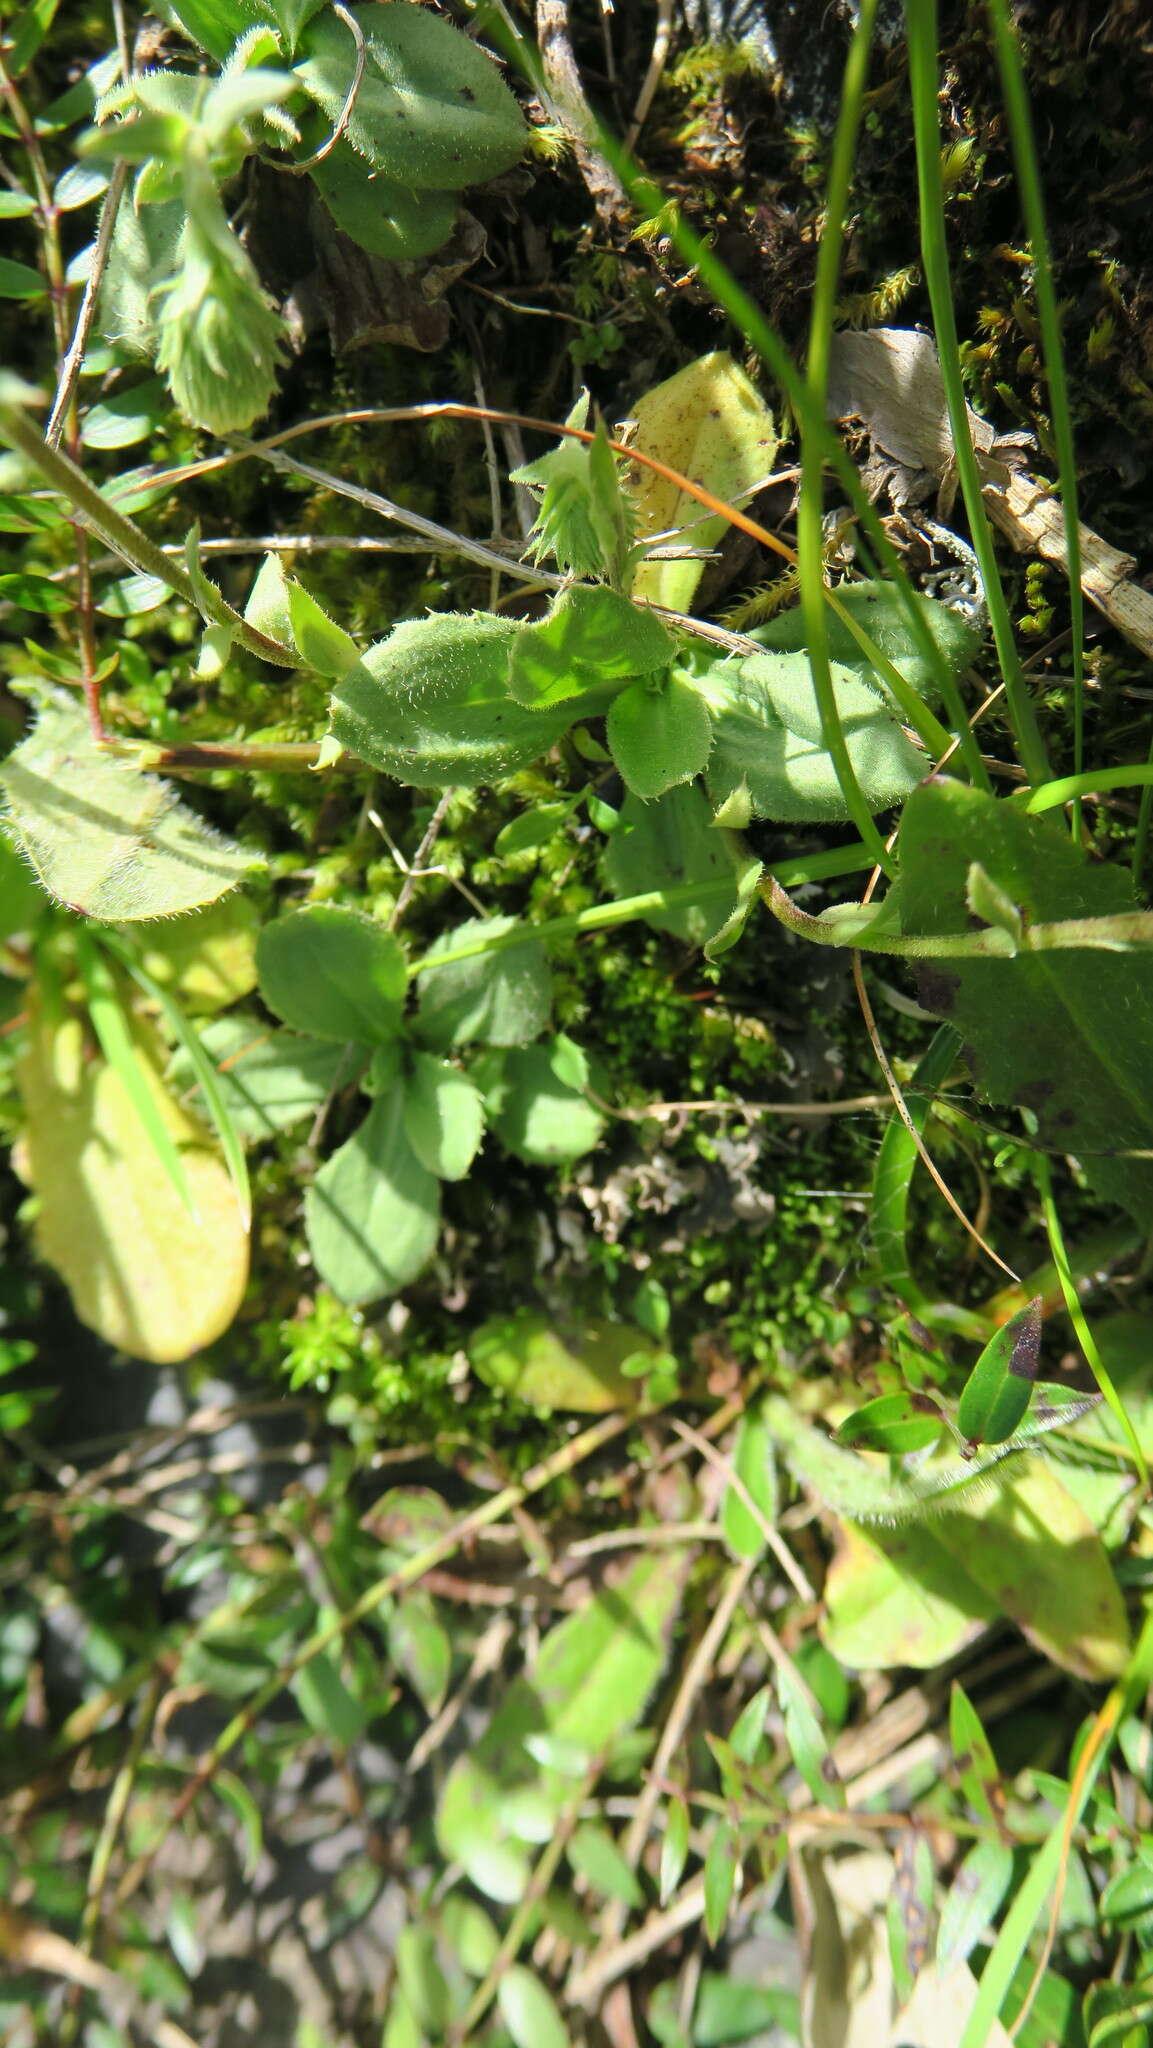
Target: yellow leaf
column 710, row 423
column 141, row 1272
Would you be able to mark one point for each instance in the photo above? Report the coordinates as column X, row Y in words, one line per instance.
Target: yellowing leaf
column 141, row 1272
column 208, row 959
column 895, row 1597
column 710, row 423
column 1028, row 1543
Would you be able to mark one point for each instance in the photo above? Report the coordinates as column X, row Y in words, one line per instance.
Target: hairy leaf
column 659, row 734
column 430, row 705
column 386, row 218
column 103, row 838
column 670, row 844
column 768, row 754
column 500, row 998
column 879, row 610
column 586, row 519
column 330, row 971
column 592, row 637
column 432, row 110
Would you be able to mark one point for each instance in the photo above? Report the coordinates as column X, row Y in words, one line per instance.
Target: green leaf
column 659, row 735
column 973, row 1901
column 1068, row 1034
column 421, row 1648
column 386, row 218
column 594, row 1855
column 709, row 422
column 722, row 1868
column 806, row 1740
column 469, row 1934
column 421, row 1978
column 268, row 1080
column 16, row 205
column 443, row 1116
column 103, row 838
column 524, row 1354
column 373, row 1211
column 19, row 281
column 145, row 252
column 430, row 705
column 586, row 519
column 669, row 844
column 591, row 637
column 21, row 901
column 588, row 1685
column 113, row 1028
column 127, row 417
column 879, row 609
column 755, row 1466
column 236, row 1794
column 1127, row 1899
column 976, row 1765
column 323, row 645
column 500, row 998
column 330, row 971
column 896, row 1423
column 1118, row 2015
column 674, row 1847
column 896, row 1597
column 537, row 1101
column 35, row 593
column 432, row 109
column 267, row 607
column 133, row 596
column 326, row 1703
column 999, row 1388
column 768, row 755
column 530, row 2013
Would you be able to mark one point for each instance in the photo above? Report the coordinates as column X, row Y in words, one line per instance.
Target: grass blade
column 111, row 1027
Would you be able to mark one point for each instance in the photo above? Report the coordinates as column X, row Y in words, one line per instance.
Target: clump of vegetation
column 596, row 1155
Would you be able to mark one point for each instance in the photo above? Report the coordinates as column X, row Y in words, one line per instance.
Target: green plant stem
column 810, row 511
column 1021, row 135
column 1069, row 789
column 128, row 540
column 752, row 325
column 921, row 29
column 844, row 860
column 1120, row 934
column 562, row 1461
column 1042, row 1173
column 1045, row 1868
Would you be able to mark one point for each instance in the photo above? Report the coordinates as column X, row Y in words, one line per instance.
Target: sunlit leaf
column 896, row 1423
column 998, row 1390
column 385, row 217
column 591, row 637
column 330, row 971
column 530, row 2013
column 524, row 1354
column 894, row 1597
column 537, row 1100
column 431, row 706
column 754, row 1464
column 722, row 1869
column 500, row 998
column 420, row 1647
column 659, row 735
column 710, row 422
column 269, row 1079
column 103, row 838
column 141, row 1272
column 674, row 1847
column 443, row 1116
column 973, row 1900
column 586, row 520
column 594, row 1855
column 588, row 1684
column 432, row 111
